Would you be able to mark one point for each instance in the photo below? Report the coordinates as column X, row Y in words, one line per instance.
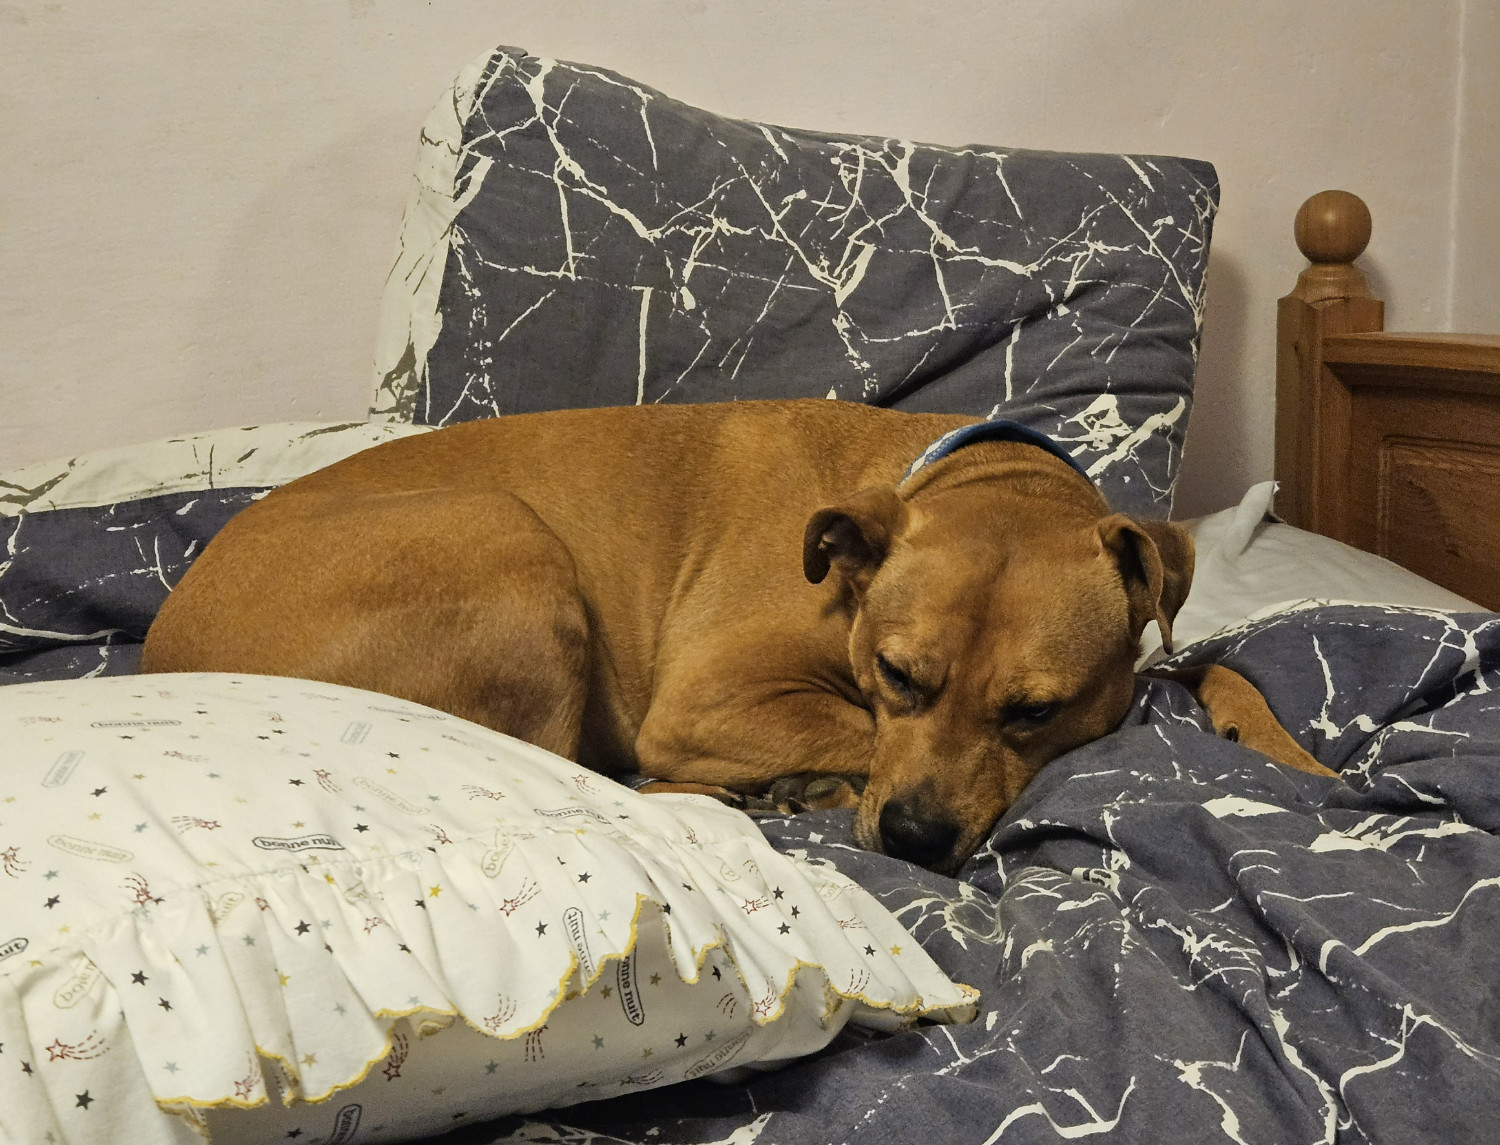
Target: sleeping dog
column 721, row 597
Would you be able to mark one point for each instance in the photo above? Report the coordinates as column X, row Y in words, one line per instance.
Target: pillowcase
column 276, row 908
column 1250, row 565
column 94, row 542
column 578, row 239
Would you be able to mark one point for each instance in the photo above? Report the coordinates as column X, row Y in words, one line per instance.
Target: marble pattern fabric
column 1180, row 941
column 290, row 907
column 599, row 243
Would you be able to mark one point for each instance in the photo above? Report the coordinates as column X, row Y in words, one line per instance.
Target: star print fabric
column 220, row 895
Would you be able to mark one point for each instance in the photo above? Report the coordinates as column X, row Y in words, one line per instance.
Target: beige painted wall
column 199, row 199
column 1474, row 286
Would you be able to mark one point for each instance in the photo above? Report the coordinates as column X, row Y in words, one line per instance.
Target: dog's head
column 996, row 607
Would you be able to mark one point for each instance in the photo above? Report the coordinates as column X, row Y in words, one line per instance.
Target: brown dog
column 717, row 595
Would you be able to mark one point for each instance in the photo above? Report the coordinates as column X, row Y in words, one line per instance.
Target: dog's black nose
column 912, row 832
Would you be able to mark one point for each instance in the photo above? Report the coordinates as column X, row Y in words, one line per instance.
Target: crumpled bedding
column 1178, row 940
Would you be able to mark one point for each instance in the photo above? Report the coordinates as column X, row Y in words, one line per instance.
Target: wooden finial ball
column 1333, row 226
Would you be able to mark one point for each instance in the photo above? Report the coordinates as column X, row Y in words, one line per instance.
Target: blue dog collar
column 1001, row 430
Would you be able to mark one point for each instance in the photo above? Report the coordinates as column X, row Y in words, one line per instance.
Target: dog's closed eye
column 897, row 679
column 1026, row 714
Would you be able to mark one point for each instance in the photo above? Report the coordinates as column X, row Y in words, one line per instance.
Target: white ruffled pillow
column 203, row 875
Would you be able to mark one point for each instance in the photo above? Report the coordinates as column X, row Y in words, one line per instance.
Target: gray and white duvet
column 1179, row 941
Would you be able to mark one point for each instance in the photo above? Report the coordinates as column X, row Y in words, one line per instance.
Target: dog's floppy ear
column 1155, row 559
column 853, row 537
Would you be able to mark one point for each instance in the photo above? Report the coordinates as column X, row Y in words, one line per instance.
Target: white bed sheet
column 1249, row 564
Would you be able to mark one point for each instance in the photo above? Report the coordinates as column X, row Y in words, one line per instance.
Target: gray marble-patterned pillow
column 602, row 244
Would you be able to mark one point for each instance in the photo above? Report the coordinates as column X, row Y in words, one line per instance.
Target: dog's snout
column 911, row 831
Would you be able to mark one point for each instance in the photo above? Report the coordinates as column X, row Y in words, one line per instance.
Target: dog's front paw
column 813, row 791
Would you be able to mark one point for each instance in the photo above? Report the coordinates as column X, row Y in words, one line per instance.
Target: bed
column 1166, row 938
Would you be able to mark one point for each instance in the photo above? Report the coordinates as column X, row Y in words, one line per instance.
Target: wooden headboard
column 1387, row 441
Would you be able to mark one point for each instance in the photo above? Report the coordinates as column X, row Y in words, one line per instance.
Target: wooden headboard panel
column 1389, row 442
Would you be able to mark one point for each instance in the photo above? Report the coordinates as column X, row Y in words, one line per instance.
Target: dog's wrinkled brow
column 1029, row 688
